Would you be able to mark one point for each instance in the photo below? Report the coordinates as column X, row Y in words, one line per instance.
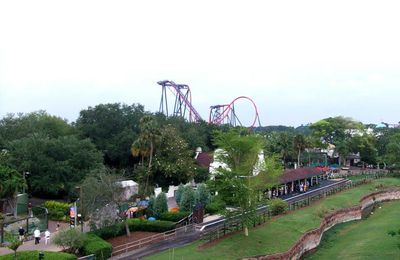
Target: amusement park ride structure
column 183, row 107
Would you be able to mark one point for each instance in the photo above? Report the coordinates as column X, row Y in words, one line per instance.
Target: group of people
column 36, row 235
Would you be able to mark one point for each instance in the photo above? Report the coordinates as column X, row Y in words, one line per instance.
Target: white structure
column 130, row 188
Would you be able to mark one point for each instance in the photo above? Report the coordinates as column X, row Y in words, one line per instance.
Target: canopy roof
column 300, row 174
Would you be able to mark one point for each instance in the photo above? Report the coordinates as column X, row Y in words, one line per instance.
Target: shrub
column 57, row 210
column 173, row 216
column 215, row 206
column 70, row 239
column 178, row 194
column 114, row 230
column 277, row 206
column 150, row 207
column 150, row 226
column 160, row 204
column 202, row 195
column 118, row 229
column 187, row 200
column 29, row 255
column 321, row 212
column 97, row 246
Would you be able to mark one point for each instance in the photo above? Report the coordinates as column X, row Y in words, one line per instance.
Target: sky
column 300, row 61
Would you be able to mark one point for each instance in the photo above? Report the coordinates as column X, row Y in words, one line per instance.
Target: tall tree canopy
column 56, row 164
column 112, row 128
column 236, row 184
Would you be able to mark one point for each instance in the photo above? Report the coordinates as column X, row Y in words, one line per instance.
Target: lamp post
column 81, row 207
column 24, row 176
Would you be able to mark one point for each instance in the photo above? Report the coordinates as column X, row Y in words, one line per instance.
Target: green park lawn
column 366, row 239
column 278, row 234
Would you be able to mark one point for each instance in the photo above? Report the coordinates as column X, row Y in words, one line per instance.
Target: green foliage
column 70, row 239
column 187, row 201
column 277, row 206
column 160, row 204
column 322, row 211
column 173, row 159
column 173, row 216
column 56, row 164
column 101, row 188
column 10, row 182
column 97, row 246
column 14, row 246
column 202, row 195
column 29, row 255
column 201, row 174
column 150, row 207
column 215, row 206
column 57, row 210
column 112, row 128
column 118, row 229
column 178, row 193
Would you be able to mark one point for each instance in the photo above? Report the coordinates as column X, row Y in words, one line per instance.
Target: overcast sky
column 299, row 60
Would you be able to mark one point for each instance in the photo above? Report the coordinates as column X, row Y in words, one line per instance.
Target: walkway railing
column 168, row 235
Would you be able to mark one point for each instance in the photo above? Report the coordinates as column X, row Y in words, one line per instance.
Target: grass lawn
column 279, row 234
column 366, row 239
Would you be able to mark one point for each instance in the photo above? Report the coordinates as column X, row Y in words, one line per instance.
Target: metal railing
column 168, row 235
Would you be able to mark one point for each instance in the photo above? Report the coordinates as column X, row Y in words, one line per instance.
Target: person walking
column 46, row 236
column 21, row 233
column 36, row 234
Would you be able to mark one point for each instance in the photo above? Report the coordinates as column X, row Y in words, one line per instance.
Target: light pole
column 24, row 176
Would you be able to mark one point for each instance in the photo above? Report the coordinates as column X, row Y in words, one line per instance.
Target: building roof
column 300, row 174
column 204, row 160
column 128, row 183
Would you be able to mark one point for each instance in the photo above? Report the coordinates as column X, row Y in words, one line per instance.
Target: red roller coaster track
column 183, row 107
column 225, row 114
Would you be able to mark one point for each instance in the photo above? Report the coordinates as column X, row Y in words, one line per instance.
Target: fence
column 264, row 214
column 169, row 235
column 9, row 227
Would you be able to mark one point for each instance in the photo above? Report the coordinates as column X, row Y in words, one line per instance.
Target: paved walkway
column 30, row 245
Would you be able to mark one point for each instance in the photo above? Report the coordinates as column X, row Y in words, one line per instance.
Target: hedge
column 174, row 216
column 118, row 229
column 57, row 210
column 97, row 246
column 29, row 255
column 215, row 207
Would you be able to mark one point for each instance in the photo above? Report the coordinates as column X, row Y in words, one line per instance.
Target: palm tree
column 300, row 143
column 146, row 142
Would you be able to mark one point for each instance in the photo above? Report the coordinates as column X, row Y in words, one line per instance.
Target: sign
column 72, row 212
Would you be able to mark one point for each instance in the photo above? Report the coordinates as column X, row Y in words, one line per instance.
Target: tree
column 337, row 131
column 202, row 195
column 236, row 183
column 392, row 155
column 179, row 192
column 11, row 182
column 14, row 245
column 174, row 161
column 281, row 143
column 146, row 143
column 300, row 144
column 56, row 165
column 160, row 204
column 187, row 201
column 103, row 188
column 71, row 240
column 112, row 128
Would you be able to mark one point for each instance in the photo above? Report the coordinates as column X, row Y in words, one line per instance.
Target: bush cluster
column 118, row 229
column 57, row 210
column 174, row 216
column 97, row 246
column 277, row 206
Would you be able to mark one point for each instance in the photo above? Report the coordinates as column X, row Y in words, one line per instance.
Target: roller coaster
column 182, row 106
